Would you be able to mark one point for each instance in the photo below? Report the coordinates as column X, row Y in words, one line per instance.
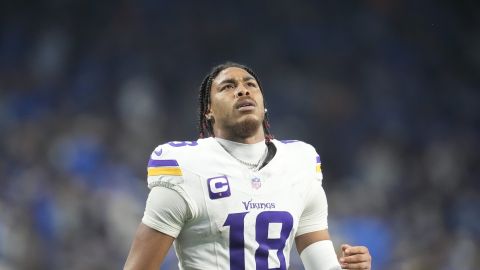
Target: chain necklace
column 252, row 166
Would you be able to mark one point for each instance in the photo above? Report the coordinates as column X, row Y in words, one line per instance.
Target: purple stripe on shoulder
column 162, row 163
column 318, row 159
column 289, row 141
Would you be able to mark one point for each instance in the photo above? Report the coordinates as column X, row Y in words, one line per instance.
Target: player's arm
column 313, row 241
column 149, row 249
column 317, row 252
column 315, row 247
column 165, row 213
column 304, row 240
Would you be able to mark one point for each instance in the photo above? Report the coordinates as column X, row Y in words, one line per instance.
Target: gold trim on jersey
column 318, row 168
column 164, row 171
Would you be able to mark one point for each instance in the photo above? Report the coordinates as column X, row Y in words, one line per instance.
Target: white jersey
column 238, row 218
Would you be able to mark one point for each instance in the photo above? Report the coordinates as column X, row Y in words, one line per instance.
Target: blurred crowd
column 387, row 91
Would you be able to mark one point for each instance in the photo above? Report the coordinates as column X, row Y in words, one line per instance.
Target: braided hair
column 205, row 125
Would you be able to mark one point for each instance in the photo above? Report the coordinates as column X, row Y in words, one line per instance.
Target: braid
column 204, row 100
column 205, row 126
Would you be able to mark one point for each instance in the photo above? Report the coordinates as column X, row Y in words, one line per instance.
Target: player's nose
column 242, row 91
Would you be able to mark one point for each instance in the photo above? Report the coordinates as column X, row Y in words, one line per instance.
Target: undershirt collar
column 246, row 152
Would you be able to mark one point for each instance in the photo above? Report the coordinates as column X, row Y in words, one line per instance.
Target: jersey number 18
column 264, row 219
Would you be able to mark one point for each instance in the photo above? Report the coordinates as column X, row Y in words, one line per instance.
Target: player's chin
column 250, row 115
column 248, row 125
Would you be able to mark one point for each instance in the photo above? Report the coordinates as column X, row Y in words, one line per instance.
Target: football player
column 237, row 198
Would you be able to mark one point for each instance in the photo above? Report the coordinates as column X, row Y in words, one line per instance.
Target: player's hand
column 355, row 257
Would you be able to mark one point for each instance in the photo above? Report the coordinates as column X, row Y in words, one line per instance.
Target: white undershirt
column 250, row 153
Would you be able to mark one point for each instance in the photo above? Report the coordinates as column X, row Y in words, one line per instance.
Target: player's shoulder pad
column 164, row 160
column 306, row 152
column 300, row 147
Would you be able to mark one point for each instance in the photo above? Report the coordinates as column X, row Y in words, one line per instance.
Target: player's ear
column 209, row 114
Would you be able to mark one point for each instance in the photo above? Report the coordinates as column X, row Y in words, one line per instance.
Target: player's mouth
column 245, row 105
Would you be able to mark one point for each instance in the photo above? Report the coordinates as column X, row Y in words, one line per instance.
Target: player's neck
column 250, row 155
column 246, row 132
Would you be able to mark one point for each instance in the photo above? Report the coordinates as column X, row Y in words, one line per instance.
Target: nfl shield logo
column 256, row 183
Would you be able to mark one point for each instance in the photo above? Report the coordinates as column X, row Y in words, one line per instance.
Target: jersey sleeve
column 168, row 205
column 315, row 213
column 163, row 168
column 310, row 157
column 318, row 168
column 166, row 211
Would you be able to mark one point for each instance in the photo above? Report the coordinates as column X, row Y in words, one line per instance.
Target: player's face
column 236, row 103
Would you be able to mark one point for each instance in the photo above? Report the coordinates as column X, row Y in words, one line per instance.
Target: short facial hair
column 246, row 128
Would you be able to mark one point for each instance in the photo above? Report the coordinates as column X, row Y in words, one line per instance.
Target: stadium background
column 387, row 91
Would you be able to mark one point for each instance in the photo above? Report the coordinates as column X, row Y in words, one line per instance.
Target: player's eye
column 227, row 86
column 252, row 84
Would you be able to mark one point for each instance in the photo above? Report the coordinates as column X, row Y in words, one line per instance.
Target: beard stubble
column 246, row 128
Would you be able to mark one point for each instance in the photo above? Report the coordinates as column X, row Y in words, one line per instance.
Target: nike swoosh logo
column 158, row 153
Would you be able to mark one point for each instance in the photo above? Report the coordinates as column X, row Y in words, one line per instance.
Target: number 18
column 237, row 238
